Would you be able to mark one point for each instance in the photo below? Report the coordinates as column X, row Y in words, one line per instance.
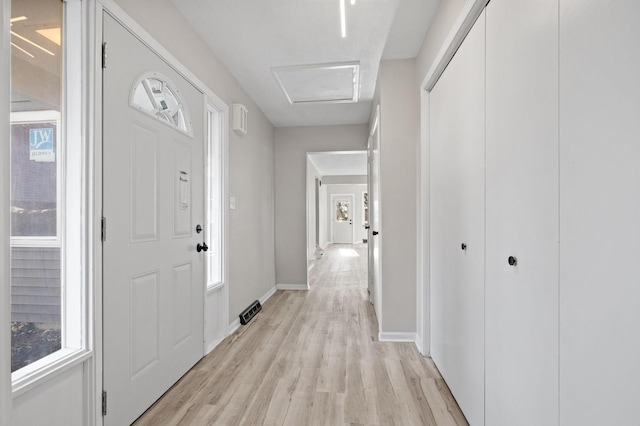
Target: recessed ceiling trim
column 337, row 82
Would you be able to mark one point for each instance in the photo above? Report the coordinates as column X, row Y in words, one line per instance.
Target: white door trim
column 375, row 268
column 468, row 15
column 223, row 124
column 461, row 27
column 5, row 291
column 352, row 197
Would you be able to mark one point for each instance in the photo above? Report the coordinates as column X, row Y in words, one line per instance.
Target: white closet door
column 600, row 212
column 457, row 218
column 522, row 213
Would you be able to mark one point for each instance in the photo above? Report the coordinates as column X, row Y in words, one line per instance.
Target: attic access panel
column 321, row 83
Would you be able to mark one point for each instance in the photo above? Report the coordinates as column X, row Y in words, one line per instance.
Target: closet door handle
column 463, row 246
column 375, row 232
column 513, row 261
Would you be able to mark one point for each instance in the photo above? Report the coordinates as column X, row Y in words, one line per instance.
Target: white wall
column 251, row 158
column 292, row 146
column 359, row 233
column 322, row 218
column 399, row 125
column 54, row 402
column 344, row 180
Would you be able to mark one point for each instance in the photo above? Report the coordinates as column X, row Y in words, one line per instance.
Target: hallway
column 312, row 358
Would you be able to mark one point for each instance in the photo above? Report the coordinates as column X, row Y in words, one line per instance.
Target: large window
column 47, row 305
column 35, row 236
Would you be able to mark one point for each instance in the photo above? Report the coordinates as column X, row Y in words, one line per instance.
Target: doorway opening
column 337, row 203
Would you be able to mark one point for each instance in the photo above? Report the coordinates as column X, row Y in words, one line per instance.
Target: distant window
column 342, row 211
column 154, row 95
column 365, row 208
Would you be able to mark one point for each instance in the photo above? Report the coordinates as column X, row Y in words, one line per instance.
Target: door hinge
column 103, row 229
column 104, row 54
column 104, row 403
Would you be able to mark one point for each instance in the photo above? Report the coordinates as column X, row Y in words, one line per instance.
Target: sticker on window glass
column 41, row 145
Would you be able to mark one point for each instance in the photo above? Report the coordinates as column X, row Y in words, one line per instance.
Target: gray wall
column 292, row 146
column 399, row 129
column 251, row 158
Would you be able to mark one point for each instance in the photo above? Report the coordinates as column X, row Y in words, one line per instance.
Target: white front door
column 152, row 201
column 342, row 219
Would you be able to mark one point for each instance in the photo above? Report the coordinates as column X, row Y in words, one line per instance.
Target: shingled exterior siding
column 35, row 285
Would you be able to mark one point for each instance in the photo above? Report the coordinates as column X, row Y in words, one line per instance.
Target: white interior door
column 374, row 237
column 599, row 211
column 457, row 223
column 153, row 200
column 522, row 213
column 342, row 210
column 370, row 287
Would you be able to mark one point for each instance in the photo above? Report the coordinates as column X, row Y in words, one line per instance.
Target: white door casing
column 370, row 288
column 342, row 211
column 375, row 223
column 153, row 199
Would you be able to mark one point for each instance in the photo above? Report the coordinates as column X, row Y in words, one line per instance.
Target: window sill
column 213, row 287
column 27, row 378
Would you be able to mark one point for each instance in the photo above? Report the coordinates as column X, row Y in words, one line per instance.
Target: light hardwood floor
column 312, row 358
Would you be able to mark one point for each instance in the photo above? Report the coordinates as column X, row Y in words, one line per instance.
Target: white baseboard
column 236, row 324
column 396, row 337
column 213, row 345
column 420, row 346
column 267, row 295
column 292, row 286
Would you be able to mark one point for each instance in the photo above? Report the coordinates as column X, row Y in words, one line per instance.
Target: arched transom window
column 156, row 96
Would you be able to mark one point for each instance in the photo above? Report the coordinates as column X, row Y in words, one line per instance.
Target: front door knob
column 513, row 261
column 202, row 247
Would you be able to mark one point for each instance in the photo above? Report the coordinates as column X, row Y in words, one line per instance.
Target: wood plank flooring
column 312, row 358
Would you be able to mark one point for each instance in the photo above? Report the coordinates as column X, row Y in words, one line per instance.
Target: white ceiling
column 347, row 163
column 250, row 37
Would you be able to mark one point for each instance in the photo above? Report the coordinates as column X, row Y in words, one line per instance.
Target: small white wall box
column 240, row 118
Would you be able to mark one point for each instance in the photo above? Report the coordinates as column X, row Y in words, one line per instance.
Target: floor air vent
column 250, row 312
